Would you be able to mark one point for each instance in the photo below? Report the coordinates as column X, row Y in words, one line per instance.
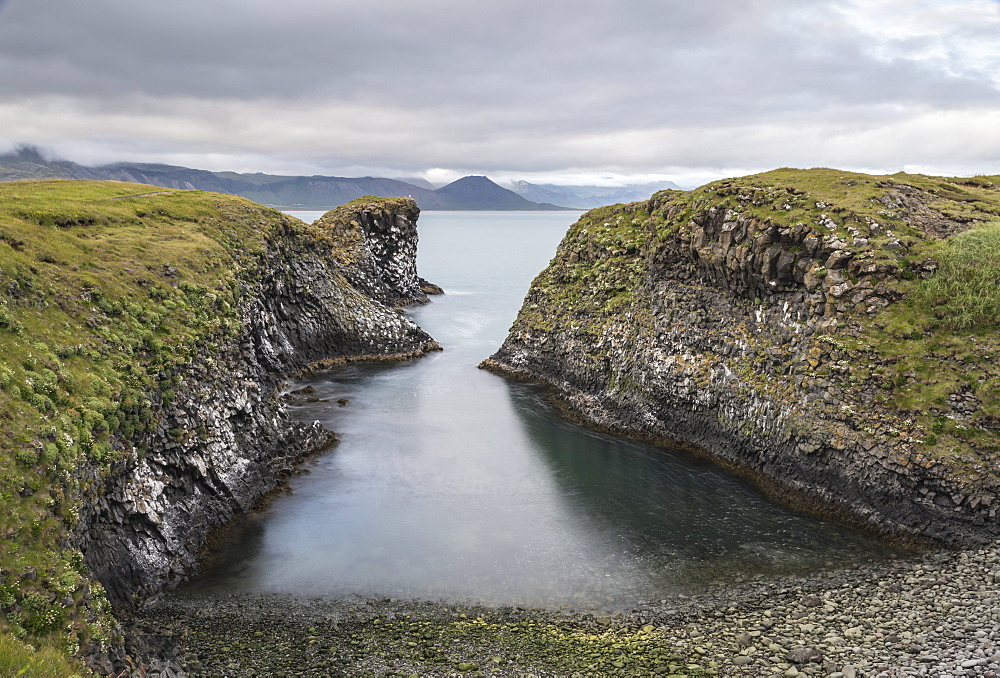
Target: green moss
column 899, row 367
column 467, row 644
column 941, row 341
column 106, row 290
column 596, row 273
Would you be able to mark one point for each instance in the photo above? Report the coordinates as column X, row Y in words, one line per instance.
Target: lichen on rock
column 778, row 323
column 384, row 256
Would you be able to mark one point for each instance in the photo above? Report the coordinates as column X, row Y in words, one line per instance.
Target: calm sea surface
column 452, row 483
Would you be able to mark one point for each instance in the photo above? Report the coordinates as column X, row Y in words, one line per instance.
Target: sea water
column 451, row 483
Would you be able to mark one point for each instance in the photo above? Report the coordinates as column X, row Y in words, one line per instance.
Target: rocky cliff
column 795, row 327
column 382, row 235
column 223, row 439
column 146, row 337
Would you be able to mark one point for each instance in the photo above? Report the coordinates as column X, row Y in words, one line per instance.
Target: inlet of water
column 451, row 483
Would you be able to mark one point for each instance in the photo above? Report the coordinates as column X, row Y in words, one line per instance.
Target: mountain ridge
column 588, row 197
column 281, row 191
column 479, row 190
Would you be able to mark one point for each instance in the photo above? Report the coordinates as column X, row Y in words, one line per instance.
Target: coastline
column 747, row 322
column 936, row 615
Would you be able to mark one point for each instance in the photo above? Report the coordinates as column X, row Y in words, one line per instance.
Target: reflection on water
column 452, row 483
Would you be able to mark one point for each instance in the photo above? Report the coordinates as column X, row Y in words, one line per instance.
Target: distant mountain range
column 322, row 192
column 288, row 192
column 587, row 197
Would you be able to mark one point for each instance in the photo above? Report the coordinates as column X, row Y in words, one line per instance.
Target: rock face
column 758, row 320
column 383, row 234
column 224, row 439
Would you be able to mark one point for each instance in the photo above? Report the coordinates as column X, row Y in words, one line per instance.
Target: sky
column 551, row 91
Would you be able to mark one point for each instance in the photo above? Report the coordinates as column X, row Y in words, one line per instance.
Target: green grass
column 964, row 294
column 106, row 289
column 941, row 340
column 19, row 659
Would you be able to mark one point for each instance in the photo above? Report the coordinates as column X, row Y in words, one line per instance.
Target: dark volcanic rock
column 224, row 439
column 729, row 320
column 385, row 260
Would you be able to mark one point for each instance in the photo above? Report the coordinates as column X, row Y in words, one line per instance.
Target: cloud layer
column 646, row 87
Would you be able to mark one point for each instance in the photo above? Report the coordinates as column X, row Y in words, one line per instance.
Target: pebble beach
column 936, row 615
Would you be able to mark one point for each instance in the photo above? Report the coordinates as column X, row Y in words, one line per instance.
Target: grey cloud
column 440, row 50
column 453, row 83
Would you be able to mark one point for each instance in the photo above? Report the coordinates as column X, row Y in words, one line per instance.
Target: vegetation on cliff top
column 929, row 358
column 928, row 245
column 106, row 289
column 936, row 350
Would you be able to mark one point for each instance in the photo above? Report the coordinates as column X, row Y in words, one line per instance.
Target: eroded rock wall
column 714, row 320
column 223, row 439
column 385, row 262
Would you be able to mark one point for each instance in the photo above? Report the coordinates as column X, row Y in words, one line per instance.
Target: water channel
column 451, row 483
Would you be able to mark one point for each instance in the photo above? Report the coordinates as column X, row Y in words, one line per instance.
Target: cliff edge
column 831, row 335
column 145, row 334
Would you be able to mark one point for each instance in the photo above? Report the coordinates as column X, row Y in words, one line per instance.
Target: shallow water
column 452, row 483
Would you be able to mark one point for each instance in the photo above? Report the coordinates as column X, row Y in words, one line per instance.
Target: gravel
column 937, row 615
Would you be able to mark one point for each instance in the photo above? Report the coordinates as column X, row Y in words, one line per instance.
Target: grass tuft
column 20, row 659
column 964, row 294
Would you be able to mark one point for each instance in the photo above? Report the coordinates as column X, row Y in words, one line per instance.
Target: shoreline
column 579, row 407
column 933, row 615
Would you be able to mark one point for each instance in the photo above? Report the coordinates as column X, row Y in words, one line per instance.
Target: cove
column 454, row 484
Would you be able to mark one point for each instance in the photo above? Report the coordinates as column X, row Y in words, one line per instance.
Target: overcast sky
column 547, row 90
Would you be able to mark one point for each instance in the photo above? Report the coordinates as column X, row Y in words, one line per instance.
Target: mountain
column 416, row 181
column 297, row 192
column 587, row 197
column 27, row 163
column 469, row 193
column 270, row 189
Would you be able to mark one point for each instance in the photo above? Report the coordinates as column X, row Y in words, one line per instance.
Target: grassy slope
column 910, row 360
column 104, row 287
column 941, row 339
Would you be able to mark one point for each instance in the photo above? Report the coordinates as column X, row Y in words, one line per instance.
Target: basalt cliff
column 145, row 336
column 831, row 335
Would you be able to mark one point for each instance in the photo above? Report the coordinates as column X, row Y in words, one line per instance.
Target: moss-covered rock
column 794, row 325
column 259, row 635
column 144, row 335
